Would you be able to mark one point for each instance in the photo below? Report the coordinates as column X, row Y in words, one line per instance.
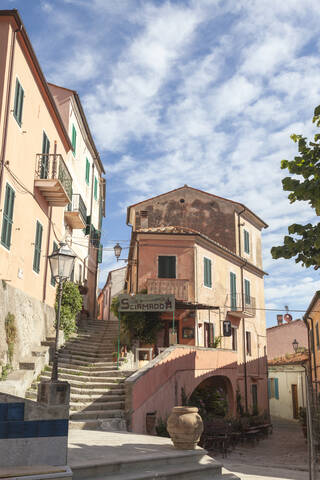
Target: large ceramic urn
column 185, row 427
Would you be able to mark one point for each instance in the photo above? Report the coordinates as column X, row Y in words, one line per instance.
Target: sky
column 199, row 92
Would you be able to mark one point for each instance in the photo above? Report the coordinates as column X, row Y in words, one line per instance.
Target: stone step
column 86, row 353
column 91, row 371
column 107, row 405
column 186, row 465
column 97, row 414
column 27, row 363
column 97, row 392
column 89, row 367
column 84, row 398
column 110, row 376
column 106, row 424
column 76, row 360
column 92, row 385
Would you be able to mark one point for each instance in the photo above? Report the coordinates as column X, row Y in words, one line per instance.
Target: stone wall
column 34, row 322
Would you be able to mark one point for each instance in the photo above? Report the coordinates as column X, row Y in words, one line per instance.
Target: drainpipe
column 243, row 320
column 89, row 240
column 137, row 268
column 195, row 295
column 314, row 354
column 6, row 114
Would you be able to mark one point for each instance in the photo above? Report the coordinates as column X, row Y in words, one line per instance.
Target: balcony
column 76, row 213
column 53, row 180
column 233, row 304
column 178, row 288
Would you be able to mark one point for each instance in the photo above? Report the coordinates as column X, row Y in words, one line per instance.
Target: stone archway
column 214, row 397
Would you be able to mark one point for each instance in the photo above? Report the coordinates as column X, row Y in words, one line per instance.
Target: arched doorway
column 214, row 397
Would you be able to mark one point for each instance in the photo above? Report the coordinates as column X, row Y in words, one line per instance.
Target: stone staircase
column 96, row 386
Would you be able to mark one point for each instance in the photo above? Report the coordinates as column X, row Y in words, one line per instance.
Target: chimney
column 279, row 319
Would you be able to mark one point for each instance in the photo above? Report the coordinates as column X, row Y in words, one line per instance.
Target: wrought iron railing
column 234, row 303
column 78, row 205
column 52, row 166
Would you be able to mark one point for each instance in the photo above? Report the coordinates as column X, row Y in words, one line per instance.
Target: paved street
column 283, row 455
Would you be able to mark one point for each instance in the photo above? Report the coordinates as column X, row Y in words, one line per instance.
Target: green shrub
column 71, row 305
column 11, row 334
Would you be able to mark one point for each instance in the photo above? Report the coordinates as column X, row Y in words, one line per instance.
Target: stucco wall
column 287, row 376
column 34, row 322
column 280, row 338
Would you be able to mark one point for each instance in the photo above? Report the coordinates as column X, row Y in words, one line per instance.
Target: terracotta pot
column 185, row 427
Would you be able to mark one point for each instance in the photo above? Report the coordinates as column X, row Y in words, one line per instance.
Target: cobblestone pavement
column 282, row 455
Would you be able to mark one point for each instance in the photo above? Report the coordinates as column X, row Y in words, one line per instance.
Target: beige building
column 38, row 187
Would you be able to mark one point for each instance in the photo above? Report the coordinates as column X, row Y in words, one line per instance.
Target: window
column 95, row 188
column 37, row 248
column 45, row 156
column 166, row 267
column 247, row 297
column 234, row 338
column 87, row 171
column 207, row 272
column 18, row 103
column 246, row 241
column 311, row 340
column 254, row 393
column 317, row 336
column 248, row 342
column 233, row 291
column 273, row 388
column 74, row 139
column 7, row 217
column 54, row 248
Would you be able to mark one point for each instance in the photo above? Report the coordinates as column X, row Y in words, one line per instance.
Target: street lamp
column 295, row 345
column 117, row 251
column 61, row 265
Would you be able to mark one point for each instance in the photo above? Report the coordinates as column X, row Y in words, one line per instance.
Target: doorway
column 295, row 406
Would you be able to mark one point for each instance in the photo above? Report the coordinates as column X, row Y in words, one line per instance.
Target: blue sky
column 202, row 92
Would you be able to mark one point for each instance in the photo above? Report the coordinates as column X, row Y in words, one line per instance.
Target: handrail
column 51, row 166
column 77, row 205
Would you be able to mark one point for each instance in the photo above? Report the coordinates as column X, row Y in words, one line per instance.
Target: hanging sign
column 227, row 328
column 146, row 303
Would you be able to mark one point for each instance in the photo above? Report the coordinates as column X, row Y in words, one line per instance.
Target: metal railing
column 52, row 166
column 77, row 205
column 234, row 303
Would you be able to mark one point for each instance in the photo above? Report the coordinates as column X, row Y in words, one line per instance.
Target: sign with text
column 146, row 303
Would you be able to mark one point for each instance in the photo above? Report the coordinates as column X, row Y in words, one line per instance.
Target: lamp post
column 117, row 251
column 61, row 265
column 295, row 345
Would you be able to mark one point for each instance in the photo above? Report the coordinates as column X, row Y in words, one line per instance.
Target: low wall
column 34, row 322
column 158, row 386
column 32, row 433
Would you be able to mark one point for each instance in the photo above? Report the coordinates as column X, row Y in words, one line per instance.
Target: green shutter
column 74, row 139
column 7, row 217
column 54, row 248
column 37, row 248
column 100, row 253
column 87, row 171
column 317, row 335
column 246, row 241
column 167, row 267
column 45, row 158
column 276, row 388
column 95, row 188
column 207, row 272
column 233, row 291
column 18, row 102
column 247, row 295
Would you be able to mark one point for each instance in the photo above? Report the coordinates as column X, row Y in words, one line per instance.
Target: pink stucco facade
column 280, row 338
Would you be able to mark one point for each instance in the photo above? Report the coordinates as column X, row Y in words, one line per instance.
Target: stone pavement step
column 96, row 414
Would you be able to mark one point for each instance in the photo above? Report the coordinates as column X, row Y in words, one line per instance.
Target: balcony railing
column 76, row 213
column 233, row 304
column 174, row 286
column 53, row 179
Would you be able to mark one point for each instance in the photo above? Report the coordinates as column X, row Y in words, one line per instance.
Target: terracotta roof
column 291, row 359
column 286, row 324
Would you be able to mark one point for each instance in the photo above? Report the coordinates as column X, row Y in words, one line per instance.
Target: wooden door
column 295, row 406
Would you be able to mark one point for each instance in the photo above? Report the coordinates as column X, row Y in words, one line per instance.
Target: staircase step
column 88, row 385
column 96, row 414
column 108, row 405
column 75, row 377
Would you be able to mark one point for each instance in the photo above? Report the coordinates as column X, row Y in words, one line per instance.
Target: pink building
column 280, row 338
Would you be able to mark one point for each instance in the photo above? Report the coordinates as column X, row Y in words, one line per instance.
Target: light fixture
column 61, row 265
column 117, row 251
column 295, row 345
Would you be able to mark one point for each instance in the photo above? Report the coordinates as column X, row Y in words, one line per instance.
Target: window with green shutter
column 254, row 393
column 233, row 291
column 45, row 156
column 246, row 241
column 100, row 253
column 54, row 248
column 247, row 297
column 87, row 171
column 37, row 248
column 7, row 217
column 74, row 139
column 207, row 280
column 95, row 188
column 18, row 102
column 166, row 266
column 317, row 336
